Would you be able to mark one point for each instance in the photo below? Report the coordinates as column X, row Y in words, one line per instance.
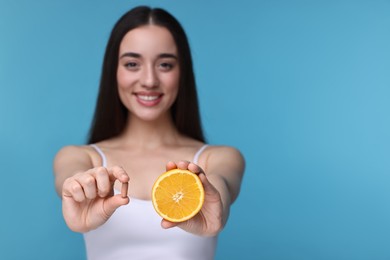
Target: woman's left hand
column 209, row 221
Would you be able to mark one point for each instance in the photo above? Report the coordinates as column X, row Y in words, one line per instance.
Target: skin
column 148, row 66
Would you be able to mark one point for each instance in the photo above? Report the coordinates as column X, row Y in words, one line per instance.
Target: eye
column 166, row 66
column 131, row 65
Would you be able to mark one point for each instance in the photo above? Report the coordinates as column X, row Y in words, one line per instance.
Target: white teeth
column 147, row 98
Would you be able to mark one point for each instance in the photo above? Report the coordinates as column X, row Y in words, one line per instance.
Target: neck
column 150, row 134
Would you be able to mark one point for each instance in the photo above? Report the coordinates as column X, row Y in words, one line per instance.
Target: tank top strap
column 102, row 155
column 198, row 153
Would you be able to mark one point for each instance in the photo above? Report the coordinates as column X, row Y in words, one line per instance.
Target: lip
column 148, row 99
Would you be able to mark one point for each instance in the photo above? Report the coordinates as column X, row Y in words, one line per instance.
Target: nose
column 149, row 77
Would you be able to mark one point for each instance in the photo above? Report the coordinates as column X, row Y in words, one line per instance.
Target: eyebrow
column 137, row 55
column 130, row 54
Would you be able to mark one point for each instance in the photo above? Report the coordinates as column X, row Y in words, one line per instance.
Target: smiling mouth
column 148, row 98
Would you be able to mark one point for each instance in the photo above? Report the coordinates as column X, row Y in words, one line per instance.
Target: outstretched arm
column 221, row 179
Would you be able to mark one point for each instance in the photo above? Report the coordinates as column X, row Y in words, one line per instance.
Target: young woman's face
column 148, row 71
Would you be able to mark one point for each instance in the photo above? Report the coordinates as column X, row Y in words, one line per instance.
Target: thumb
column 167, row 224
column 114, row 202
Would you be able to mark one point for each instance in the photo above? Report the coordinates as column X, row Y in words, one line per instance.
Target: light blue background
column 302, row 88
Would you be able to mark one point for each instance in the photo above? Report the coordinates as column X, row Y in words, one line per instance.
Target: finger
column 103, row 184
column 114, row 202
column 88, row 183
column 170, row 166
column 183, row 165
column 168, row 224
column 73, row 189
column 195, row 168
column 118, row 173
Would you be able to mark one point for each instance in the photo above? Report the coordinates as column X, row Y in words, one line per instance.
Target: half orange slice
column 178, row 195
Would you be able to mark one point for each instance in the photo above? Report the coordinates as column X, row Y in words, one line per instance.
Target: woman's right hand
column 88, row 199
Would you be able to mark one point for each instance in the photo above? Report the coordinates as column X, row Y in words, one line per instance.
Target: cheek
column 124, row 79
column 119, row 79
column 173, row 83
column 124, row 86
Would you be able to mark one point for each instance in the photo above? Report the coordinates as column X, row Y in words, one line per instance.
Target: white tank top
column 134, row 232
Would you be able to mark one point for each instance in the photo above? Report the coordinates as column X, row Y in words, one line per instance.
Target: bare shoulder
column 227, row 152
column 225, row 156
column 73, row 151
column 75, row 155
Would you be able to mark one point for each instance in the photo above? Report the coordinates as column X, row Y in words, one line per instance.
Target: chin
column 150, row 117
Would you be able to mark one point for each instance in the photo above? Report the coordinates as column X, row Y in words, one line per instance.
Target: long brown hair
column 111, row 115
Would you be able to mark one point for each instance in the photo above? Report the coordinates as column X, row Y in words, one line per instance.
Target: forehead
column 149, row 39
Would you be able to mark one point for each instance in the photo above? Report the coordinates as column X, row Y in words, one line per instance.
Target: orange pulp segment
column 178, row 195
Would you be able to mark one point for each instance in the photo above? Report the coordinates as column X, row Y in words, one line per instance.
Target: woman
column 146, row 121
